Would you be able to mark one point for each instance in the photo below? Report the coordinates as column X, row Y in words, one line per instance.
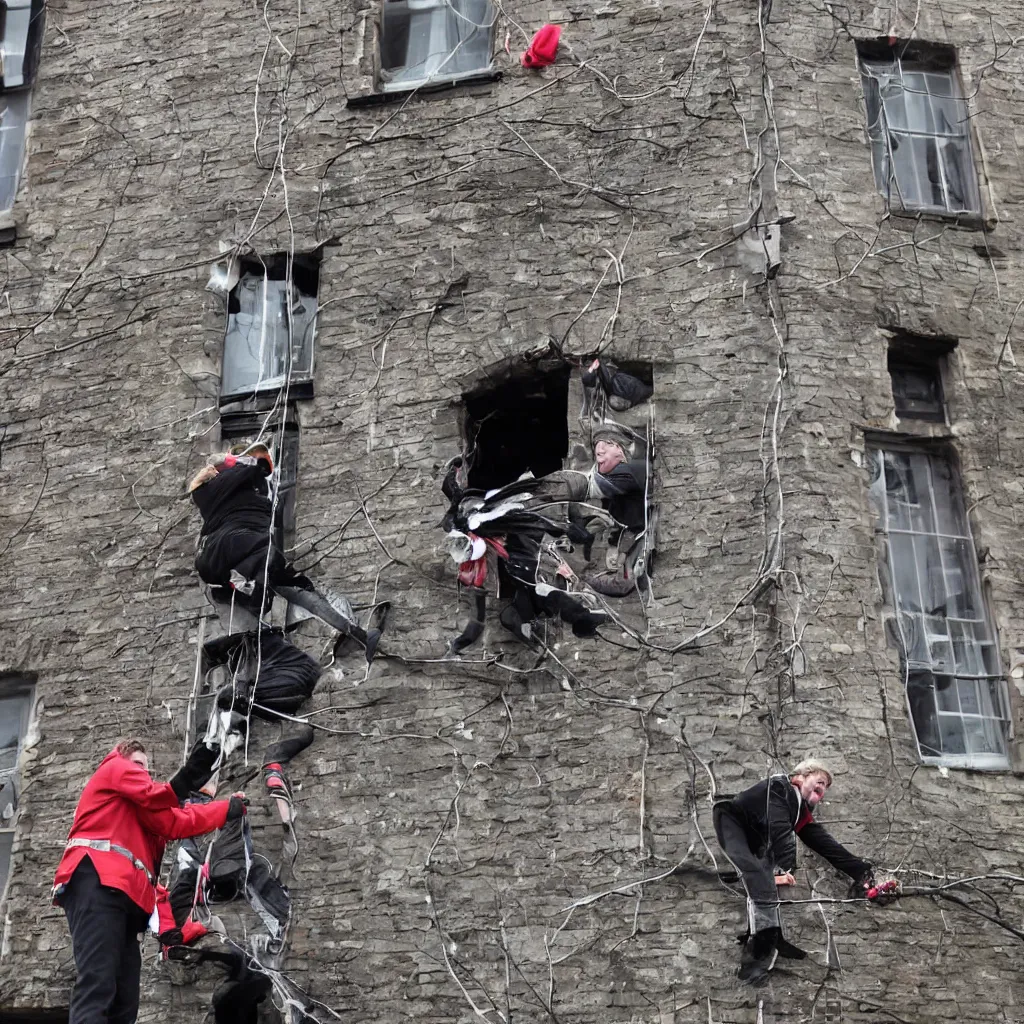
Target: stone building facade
column 689, row 189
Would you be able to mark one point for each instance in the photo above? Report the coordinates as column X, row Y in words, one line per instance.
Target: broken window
column 19, row 57
column 919, row 128
column 425, row 41
column 517, row 426
column 955, row 687
column 283, row 443
column 915, row 369
column 14, row 108
column 15, row 716
column 271, row 327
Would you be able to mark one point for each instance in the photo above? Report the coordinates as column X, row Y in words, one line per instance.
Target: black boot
column 788, row 950
column 368, row 638
column 758, row 957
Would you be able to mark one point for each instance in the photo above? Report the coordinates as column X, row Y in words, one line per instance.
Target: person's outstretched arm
column 192, row 820
column 818, row 839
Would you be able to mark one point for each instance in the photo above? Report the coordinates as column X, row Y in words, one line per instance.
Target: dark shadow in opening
column 518, row 425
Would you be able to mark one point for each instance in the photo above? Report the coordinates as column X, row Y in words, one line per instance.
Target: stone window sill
column 376, row 98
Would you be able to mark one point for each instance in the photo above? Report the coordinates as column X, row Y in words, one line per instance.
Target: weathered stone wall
column 452, row 819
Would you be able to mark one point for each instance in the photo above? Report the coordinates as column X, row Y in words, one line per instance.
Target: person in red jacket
column 105, row 881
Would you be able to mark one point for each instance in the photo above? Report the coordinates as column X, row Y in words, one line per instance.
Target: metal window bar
column 918, row 124
column 956, row 692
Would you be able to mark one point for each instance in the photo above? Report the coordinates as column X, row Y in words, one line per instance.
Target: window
column 271, row 326
column 426, row 41
column 915, row 368
column 919, row 128
column 14, row 109
column 285, row 447
column 518, row 425
column 15, row 716
column 955, row 688
column 22, row 39
column 19, row 58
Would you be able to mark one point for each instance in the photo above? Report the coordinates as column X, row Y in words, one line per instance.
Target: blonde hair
column 810, row 766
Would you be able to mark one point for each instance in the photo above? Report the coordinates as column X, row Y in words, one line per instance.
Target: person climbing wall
column 236, row 546
column 755, row 830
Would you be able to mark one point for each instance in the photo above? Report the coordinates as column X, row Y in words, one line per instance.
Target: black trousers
column 105, row 925
column 757, row 873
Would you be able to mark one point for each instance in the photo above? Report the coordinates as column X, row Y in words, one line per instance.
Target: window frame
column 911, row 57
column 969, row 571
column 297, row 381
column 387, row 85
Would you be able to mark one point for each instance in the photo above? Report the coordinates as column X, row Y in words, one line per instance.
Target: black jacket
column 623, row 493
column 238, row 496
column 771, row 811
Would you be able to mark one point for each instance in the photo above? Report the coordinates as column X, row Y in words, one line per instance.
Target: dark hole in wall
column 305, row 272
column 916, row 369
column 517, row 425
column 922, row 55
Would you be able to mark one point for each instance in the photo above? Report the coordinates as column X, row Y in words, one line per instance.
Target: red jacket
column 122, row 804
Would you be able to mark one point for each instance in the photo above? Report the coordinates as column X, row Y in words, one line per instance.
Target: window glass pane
column 8, row 799
column 915, row 640
column 891, row 92
column 426, row 39
column 984, row 736
column 256, row 351
column 940, row 650
column 873, row 102
column 962, row 601
column 931, row 579
column 394, row 42
column 14, row 107
column 303, row 326
column 909, row 496
column 921, row 697
column 470, row 31
column 6, row 842
column 952, row 736
column 917, row 103
column 970, row 704
column 949, row 116
column 993, row 697
column 904, row 570
column 946, row 696
column 13, row 717
column 905, row 185
column 949, row 509
column 960, row 183
column 939, row 83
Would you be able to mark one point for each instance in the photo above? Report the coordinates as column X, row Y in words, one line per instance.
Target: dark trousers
column 105, row 925
column 757, row 873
